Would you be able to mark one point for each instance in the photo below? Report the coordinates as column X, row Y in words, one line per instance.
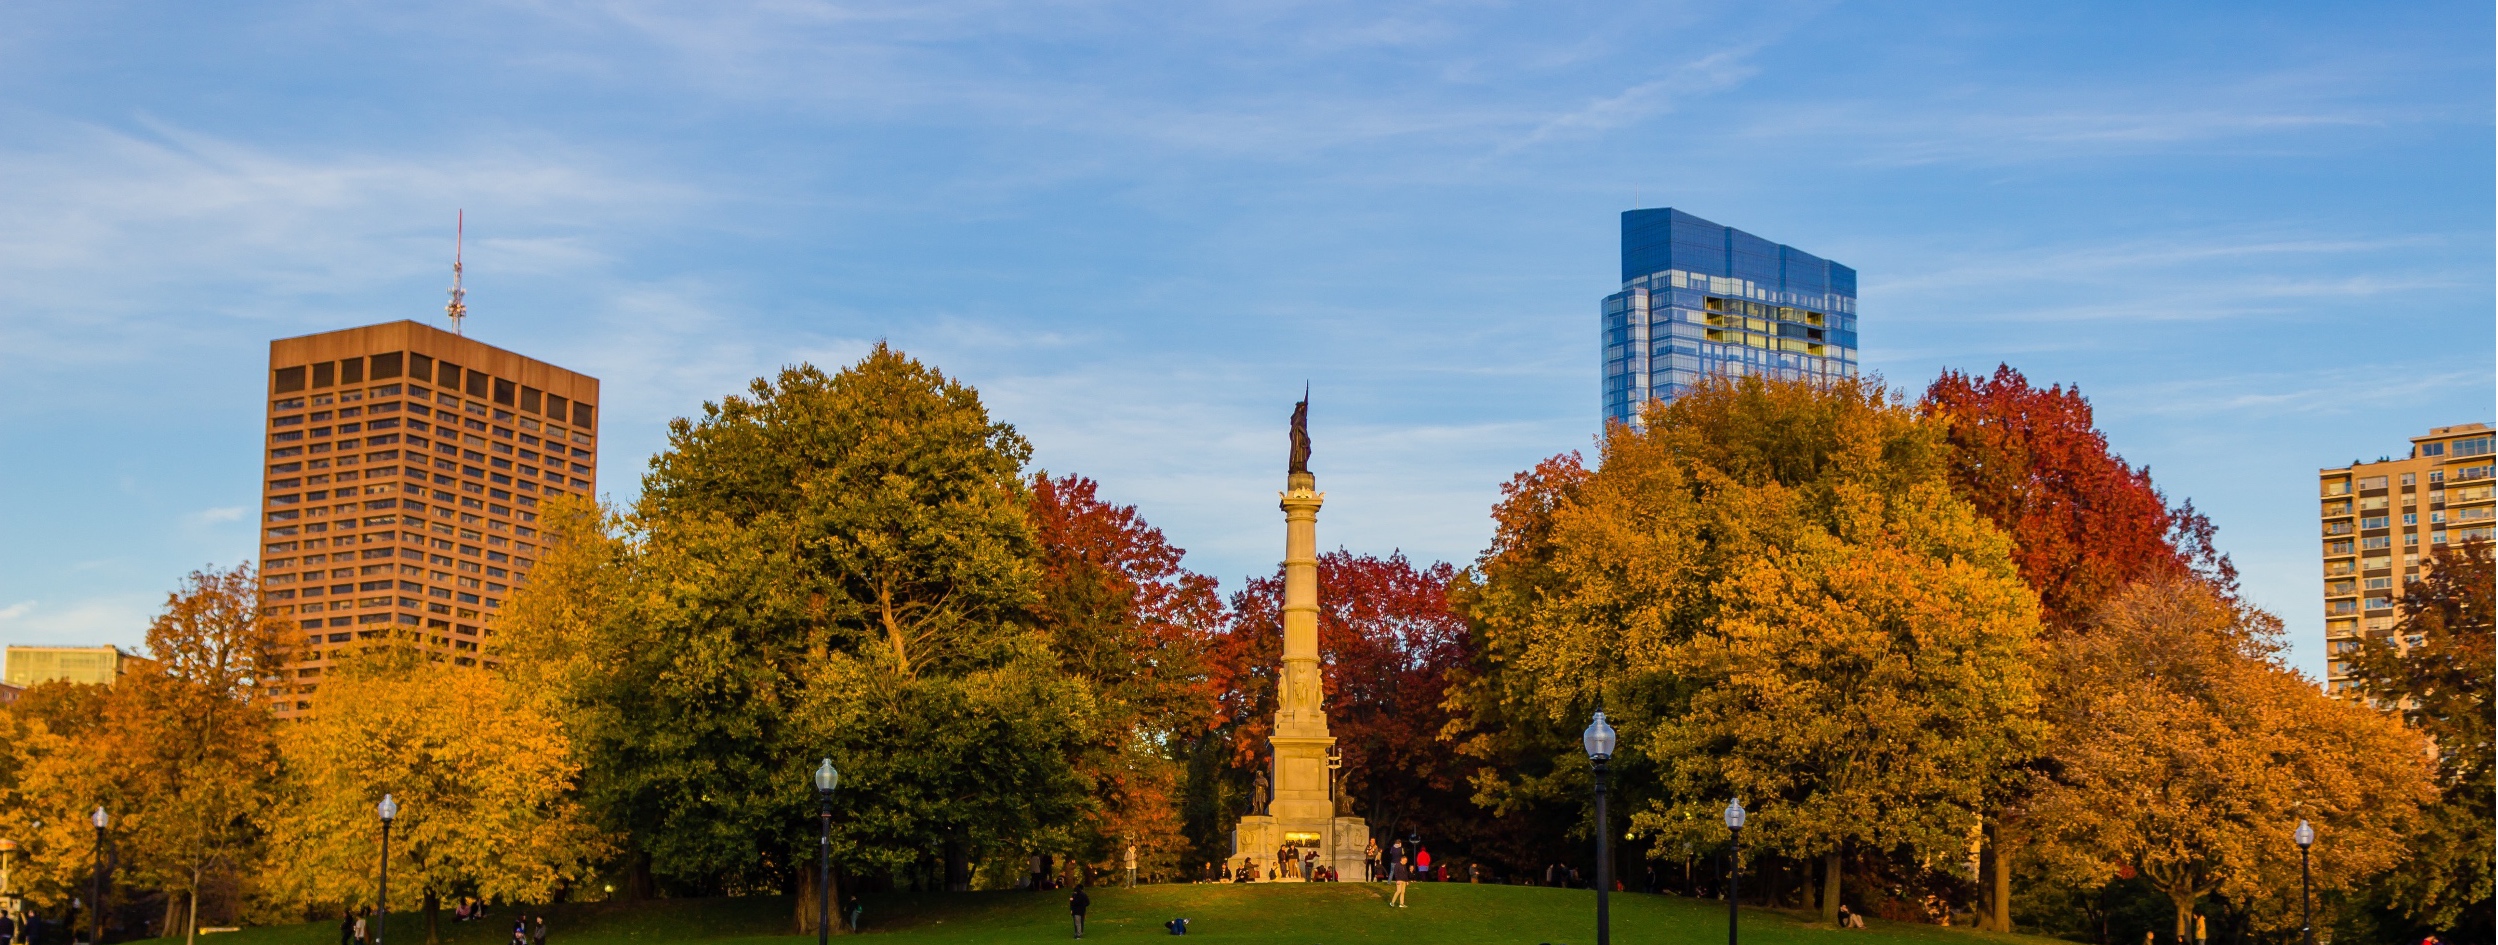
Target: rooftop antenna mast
column 458, row 309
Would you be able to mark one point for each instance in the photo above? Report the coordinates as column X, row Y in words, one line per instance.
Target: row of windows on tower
column 424, row 369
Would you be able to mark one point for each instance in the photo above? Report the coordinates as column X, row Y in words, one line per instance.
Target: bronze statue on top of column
column 1301, row 435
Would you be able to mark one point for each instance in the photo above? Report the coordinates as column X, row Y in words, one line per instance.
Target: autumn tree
column 2085, row 524
column 198, row 743
column 48, row 784
column 2185, row 754
column 181, row 755
column 1775, row 588
column 1123, row 616
column 2434, row 668
column 484, row 780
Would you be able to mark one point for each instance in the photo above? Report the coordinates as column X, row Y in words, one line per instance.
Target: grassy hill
column 1296, row 914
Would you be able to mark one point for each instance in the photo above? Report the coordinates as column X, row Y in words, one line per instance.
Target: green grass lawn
column 1283, row 914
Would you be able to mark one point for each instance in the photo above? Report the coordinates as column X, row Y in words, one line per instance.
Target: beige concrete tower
column 1305, row 813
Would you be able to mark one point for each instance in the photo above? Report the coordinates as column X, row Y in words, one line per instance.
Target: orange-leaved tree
column 181, row 754
column 2184, row 753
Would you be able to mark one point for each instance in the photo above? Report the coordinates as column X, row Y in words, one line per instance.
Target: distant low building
column 9, row 693
column 2381, row 518
column 30, row 666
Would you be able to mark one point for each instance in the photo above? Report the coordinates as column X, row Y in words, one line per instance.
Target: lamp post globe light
column 1599, row 741
column 1734, row 866
column 2306, row 837
column 95, row 891
column 826, row 779
column 389, row 811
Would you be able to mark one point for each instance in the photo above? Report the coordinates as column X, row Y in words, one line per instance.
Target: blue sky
column 2257, row 235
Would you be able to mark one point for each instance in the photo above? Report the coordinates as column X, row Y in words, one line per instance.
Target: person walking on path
column 360, row 939
column 347, row 929
column 1400, row 873
column 1076, row 904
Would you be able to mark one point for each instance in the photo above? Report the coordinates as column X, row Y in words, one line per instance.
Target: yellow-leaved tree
column 483, row 778
column 1775, row 591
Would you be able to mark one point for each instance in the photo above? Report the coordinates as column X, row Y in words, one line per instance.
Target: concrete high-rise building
column 30, row 666
column 2382, row 518
column 404, row 474
column 1700, row 299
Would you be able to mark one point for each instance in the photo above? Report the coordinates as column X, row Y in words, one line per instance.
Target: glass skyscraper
column 1699, row 299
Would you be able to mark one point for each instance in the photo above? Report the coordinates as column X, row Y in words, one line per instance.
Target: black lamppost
column 1598, row 740
column 2306, row 837
column 826, row 779
column 95, row 892
column 389, row 809
column 1734, row 866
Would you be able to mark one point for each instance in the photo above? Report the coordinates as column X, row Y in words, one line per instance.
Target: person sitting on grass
column 1177, row 926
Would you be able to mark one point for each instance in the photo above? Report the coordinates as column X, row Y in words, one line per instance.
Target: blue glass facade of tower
column 1699, row 299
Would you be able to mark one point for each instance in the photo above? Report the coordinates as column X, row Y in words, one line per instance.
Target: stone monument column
column 1300, row 738
column 1303, row 812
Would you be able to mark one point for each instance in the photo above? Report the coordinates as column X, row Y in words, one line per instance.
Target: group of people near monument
column 356, row 928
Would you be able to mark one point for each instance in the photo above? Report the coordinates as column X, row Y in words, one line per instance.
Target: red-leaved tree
column 1125, row 616
column 2087, row 523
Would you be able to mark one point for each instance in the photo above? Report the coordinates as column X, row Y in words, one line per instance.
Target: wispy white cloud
column 2355, row 391
column 116, row 619
column 226, row 513
column 256, row 235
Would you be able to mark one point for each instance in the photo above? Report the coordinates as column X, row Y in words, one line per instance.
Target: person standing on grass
column 1076, row 904
column 1400, row 873
column 537, row 934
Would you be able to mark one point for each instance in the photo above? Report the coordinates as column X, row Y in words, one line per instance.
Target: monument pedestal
column 1339, row 841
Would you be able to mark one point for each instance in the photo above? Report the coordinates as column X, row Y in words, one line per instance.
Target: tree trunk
column 1998, row 856
column 1830, row 870
column 638, row 884
column 957, row 866
column 433, row 918
column 806, row 898
column 2185, row 918
column 809, row 879
column 190, row 923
